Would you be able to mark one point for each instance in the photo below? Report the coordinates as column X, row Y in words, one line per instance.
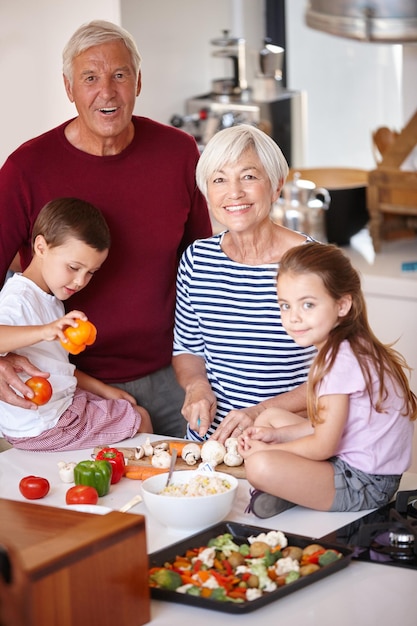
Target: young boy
column 71, row 240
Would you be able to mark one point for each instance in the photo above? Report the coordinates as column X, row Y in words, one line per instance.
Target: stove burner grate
column 387, row 535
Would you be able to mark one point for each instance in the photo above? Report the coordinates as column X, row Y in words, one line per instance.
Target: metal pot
column 347, row 213
column 303, row 207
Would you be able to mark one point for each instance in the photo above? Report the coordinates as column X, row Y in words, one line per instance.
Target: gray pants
column 163, row 397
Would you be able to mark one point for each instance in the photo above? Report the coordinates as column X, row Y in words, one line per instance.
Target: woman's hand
column 10, row 366
column 199, row 406
column 235, row 422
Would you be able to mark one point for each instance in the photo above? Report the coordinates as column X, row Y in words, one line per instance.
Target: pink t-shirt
column 376, row 443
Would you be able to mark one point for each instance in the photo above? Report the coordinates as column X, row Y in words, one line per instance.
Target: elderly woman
column 231, row 354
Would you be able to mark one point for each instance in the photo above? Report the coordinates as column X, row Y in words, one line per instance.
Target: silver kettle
column 303, row 205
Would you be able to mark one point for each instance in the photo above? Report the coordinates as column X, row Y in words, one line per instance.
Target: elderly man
column 140, row 173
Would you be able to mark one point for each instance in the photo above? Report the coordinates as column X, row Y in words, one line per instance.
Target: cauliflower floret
column 211, row 582
column 257, row 567
column 206, row 556
column 273, row 538
column 253, row 594
column 184, row 588
column 285, row 565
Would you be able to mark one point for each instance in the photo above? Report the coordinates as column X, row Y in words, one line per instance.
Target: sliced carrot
column 188, row 580
column 141, row 472
column 178, row 446
column 203, row 575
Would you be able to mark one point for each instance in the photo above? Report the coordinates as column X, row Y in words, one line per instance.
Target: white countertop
column 382, row 272
column 361, row 594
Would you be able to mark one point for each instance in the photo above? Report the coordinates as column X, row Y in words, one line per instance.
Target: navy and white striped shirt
column 228, row 313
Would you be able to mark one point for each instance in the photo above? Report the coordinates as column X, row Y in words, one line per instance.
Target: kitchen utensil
column 303, row 206
column 129, row 505
column 172, row 466
column 347, row 212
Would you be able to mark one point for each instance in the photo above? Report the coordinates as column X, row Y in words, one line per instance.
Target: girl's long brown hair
column 339, row 277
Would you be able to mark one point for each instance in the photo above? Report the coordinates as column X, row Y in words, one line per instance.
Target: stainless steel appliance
column 267, row 104
column 387, row 536
column 378, row 21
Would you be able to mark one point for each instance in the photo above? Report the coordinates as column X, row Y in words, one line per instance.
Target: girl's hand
column 247, row 446
column 261, row 433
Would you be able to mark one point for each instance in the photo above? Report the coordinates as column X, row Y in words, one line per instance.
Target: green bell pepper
column 95, row 474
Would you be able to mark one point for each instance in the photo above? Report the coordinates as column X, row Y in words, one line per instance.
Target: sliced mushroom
column 139, row 452
column 161, row 446
column 147, row 447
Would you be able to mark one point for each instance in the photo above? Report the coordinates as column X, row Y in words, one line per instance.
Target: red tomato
column 81, row 494
column 42, row 389
column 33, row 487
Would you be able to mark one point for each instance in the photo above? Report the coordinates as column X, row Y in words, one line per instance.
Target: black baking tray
column 241, row 533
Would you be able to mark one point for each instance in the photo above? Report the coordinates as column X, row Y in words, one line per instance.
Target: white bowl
column 187, row 513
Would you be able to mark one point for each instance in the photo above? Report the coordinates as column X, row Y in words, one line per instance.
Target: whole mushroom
column 213, row 452
column 191, row 453
column 161, row 459
column 232, row 458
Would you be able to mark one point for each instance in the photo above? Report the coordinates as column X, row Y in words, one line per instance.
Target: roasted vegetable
column 224, row 571
column 166, row 579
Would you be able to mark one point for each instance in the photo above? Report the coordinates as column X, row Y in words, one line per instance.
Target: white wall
column 174, row 41
column 352, row 87
column 32, row 36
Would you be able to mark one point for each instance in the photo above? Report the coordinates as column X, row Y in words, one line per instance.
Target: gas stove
column 387, row 536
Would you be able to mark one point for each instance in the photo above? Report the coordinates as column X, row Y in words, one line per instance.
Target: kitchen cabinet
column 391, row 297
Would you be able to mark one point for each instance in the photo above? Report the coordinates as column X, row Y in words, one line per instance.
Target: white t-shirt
column 376, row 443
column 22, row 302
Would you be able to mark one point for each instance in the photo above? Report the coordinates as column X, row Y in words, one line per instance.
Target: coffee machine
column 266, row 103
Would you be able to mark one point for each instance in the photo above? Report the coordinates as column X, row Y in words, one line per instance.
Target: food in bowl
column 198, row 485
column 182, row 512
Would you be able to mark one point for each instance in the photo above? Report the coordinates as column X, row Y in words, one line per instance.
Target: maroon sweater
column 154, row 210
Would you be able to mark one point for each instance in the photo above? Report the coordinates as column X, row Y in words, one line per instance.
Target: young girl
column 70, row 242
column 350, row 454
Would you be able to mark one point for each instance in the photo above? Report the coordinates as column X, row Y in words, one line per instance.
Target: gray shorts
column 357, row 491
column 163, row 397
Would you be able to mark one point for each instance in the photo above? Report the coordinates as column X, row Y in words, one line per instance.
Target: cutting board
column 129, row 453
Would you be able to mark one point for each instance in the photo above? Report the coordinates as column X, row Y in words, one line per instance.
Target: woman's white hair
column 96, row 33
column 227, row 147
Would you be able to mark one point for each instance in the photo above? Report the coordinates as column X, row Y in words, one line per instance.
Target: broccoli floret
column 329, row 557
column 167, row 579
column 194, row 591
column 224, row 543
column 291, row 577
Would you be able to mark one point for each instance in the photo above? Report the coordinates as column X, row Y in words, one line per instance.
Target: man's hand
column 10, row 366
